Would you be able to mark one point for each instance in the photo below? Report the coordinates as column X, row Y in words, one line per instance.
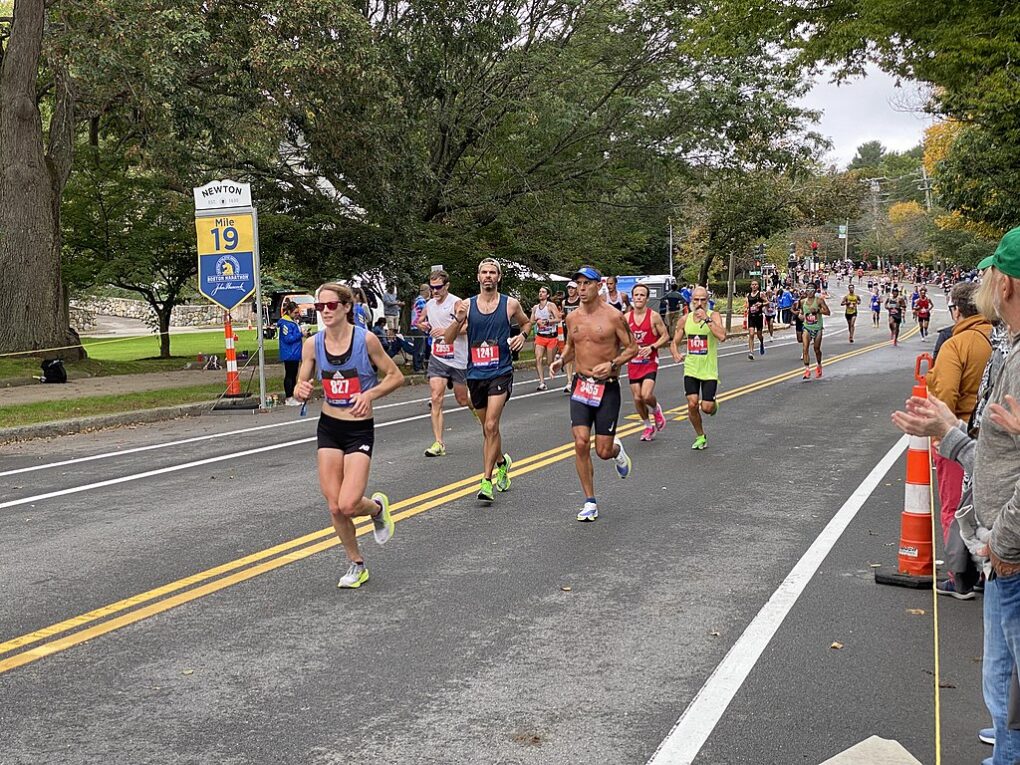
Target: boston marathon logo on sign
column 226, row 260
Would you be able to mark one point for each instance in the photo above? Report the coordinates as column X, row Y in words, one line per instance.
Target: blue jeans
column 1002, row 646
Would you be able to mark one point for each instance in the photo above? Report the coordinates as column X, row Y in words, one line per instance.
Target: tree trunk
column 32, row 180
column 163, row 314
column 706, row 264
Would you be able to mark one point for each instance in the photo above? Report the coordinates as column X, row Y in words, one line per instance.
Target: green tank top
column 812, row 309
column 702, row 361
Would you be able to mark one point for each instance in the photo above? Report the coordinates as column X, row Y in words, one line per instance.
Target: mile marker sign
column 227, row 228
column 227, row 225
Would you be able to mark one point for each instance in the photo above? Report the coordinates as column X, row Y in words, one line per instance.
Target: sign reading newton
column 217, row 195
column 226, row 258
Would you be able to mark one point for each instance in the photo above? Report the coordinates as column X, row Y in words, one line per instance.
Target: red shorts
column 546, row 342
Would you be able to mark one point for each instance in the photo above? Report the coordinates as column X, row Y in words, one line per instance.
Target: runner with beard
column 599, row 340
column 703, row 331
column 490, row 375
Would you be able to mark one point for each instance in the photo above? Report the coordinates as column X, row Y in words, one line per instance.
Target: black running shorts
column 482, row 390
column 604, row 416
column 703, row 389
column 755, row 321
column 349, row 436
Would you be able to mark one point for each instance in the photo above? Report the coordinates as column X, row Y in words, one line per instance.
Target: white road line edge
column 696, row 724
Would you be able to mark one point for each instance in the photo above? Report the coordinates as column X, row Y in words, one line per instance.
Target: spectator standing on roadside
column 360, row 311
column 391, row 308
column 291, row 337
column 954, row 379
column 422, row 342
column 786, row 306
column 671, row 307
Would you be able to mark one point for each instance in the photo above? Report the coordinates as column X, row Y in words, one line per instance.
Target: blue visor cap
column 588, row 273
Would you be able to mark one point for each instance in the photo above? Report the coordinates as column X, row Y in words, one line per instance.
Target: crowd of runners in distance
column 596, row 333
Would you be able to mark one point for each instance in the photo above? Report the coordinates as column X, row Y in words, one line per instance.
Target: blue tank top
column 488, row 342
column 355, row 375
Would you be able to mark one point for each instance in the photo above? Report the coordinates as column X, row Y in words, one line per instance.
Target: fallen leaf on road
column 916, row 611
column 713, row 633
column 188, row 672
column 565, row 589
column 836, row 644
column 875, row 565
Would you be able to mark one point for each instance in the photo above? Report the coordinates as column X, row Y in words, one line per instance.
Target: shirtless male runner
column 490, row 374
column 599, row 343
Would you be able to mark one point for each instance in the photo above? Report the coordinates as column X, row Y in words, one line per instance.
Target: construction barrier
column 915, row 562
column 233, row 378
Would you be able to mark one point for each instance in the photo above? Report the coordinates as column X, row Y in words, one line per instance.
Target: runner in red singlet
column 650, row 333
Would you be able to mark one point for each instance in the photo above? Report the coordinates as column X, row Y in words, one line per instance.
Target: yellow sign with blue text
column 226, row 258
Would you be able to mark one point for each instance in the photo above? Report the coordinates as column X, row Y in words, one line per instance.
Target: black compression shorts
column 703, row 389
column 481, row 390
column 755, row 321
column 604, row 416
column 349, row 436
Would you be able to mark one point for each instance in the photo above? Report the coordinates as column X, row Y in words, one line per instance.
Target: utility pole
column 876, row 188
column 926, row 187
column 730, row 287
column 671, row 249
column 846, row 241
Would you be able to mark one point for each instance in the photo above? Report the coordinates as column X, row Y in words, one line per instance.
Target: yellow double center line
column 61, row 635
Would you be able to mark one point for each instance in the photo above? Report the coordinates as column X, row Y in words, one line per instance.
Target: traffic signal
column 814, row 247
column 793, row 249
column 761, row 250
column 757, row 264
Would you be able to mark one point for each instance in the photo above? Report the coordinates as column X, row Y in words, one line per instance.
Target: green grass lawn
column 135, row 355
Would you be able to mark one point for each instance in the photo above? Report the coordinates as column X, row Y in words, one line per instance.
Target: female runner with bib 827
column 343, row 355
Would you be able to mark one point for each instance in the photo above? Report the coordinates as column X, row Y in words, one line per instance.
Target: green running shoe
column 356, row 576
column 485, row 490
column 503, row 473
column 436, row 450
column 700, row 442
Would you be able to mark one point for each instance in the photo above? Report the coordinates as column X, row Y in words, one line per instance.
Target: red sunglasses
column 330, row 304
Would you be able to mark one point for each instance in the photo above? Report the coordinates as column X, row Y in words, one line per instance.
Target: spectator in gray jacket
column 993, row 460
column 391, row 308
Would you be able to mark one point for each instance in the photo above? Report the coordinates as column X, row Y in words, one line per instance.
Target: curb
column 88, row 424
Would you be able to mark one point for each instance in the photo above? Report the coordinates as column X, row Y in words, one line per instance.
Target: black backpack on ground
column 53, row 371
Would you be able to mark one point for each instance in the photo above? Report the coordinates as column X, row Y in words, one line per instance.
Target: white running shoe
column 589, row 512
column 623, row 463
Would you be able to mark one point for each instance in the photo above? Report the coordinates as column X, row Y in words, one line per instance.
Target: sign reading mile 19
column 226, row 255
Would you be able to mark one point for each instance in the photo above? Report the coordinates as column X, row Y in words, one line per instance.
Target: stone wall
column 196, row 315
column 82, row 319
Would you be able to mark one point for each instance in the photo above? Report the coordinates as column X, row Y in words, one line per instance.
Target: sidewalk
column 111, row 385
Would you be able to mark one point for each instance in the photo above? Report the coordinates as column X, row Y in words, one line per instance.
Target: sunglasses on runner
column 436, row 287
column 330, row 304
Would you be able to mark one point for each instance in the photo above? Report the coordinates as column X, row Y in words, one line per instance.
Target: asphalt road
column 174, row 602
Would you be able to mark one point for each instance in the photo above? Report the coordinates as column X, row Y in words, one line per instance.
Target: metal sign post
column 226, row 223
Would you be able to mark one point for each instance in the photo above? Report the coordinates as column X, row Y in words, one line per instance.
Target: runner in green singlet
column 813, row 308
column 704, row 331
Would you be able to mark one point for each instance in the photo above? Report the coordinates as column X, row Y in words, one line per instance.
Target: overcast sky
column 867, row 109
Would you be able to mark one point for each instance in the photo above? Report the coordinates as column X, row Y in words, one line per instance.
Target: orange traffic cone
column 915, row 560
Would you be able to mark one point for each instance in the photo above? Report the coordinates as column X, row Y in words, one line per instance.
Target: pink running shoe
column 660, row 418
column 648, row 434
